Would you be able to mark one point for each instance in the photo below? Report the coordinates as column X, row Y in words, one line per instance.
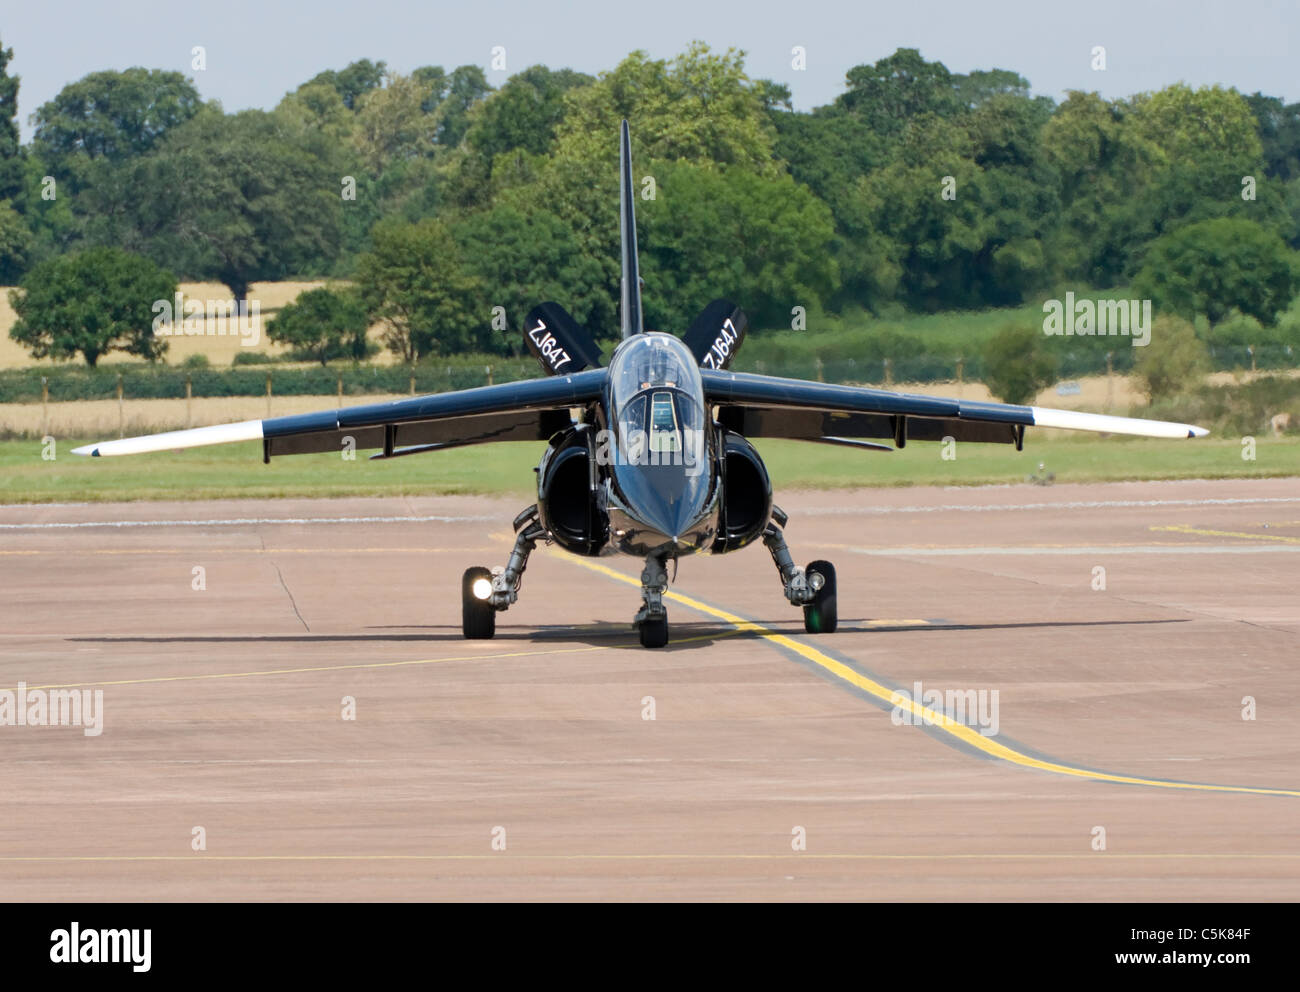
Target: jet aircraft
column 648, row 455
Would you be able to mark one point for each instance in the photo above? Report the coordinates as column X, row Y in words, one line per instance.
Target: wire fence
column 138, row 382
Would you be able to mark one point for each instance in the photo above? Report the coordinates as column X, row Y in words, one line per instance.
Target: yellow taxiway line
column 1246, row 535
column 940, row 721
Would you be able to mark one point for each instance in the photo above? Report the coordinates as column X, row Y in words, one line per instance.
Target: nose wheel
column 654, row 632
column 652, row 620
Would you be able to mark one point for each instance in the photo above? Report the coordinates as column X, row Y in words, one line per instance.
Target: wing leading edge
column 767, row 406
column 511, row 411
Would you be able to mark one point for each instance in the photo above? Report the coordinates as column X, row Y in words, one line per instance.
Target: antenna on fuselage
column 630, row 301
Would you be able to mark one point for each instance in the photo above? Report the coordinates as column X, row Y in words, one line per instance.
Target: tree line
column 441, row 203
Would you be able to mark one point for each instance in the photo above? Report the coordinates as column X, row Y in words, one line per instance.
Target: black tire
column 478, row 620
column 821, row 616
column 654, row 633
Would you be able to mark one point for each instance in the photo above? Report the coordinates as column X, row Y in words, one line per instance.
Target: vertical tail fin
column 630, row 310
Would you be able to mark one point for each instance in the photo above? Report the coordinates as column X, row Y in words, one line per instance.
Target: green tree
column 392, row 124
column 524, row 113
column 434, row 77
column 981, row 85
column 251, row 196
column 508, row 135
column 413, row 280
column 1183, row 123
column 323, row 324
column 352, row 82
column 1278, row 127
column 113, row 115
column 1174, row 360
column 11, row 166
column 523, row 254
column 1097, row 164
column 828, row 151
column 762, row 241
column 892, row 91
column 16, row 244
column 319, row 107
column 1018, row 364
column 959, row 217
column 466, row 88
column 92, row 302
column 699, row 107
column 1216, row 266
column 1198, row 145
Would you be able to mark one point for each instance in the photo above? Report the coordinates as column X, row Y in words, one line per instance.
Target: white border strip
column 1073, row 420
column 196, row 437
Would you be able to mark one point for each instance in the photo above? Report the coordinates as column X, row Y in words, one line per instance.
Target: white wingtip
column 1104, row 423
column 247, row 430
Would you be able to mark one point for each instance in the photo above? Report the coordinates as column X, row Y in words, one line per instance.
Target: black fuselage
column 658, row 446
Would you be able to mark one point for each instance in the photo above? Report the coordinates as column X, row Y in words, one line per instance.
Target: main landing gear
column 813, row 587
column 485, row 591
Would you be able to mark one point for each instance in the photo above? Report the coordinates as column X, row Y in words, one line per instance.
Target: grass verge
column 235, row 471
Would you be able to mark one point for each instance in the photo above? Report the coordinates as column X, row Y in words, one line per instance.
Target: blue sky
column 256, row 51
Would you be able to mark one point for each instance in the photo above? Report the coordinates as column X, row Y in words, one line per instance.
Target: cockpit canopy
column 660, row 467
column 653, row 360
column 657, row 392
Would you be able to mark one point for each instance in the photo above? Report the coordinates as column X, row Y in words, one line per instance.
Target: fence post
column 412, row 382
column 820, row 377
column 1110, row 380
column 961, row 371
column 189, row 404
column 1250, row 350
column 889, row 373
column 268, row 394
column 340, row 389
column 121, row 412
column 45, row 406
column 488, row 369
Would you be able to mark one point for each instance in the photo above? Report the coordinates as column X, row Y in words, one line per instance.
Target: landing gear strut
column 652, row 619
column 813, row 587
column 485, row 591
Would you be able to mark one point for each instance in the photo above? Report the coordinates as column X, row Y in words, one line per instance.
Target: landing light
column 482, row 589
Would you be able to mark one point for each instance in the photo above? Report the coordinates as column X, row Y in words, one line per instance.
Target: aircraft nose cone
column 671, row 517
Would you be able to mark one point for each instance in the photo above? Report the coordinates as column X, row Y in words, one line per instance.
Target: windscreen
column 657, row 392
column 661, row 462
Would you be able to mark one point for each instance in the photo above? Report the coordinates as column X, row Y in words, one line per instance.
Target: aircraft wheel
column 821, row 616
column 654, row 633
column 478, row 619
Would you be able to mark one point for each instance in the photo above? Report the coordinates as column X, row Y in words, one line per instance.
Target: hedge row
column 166, row 382
column 1074, row 363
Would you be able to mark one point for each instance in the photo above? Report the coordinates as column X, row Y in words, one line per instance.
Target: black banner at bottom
column 170, row 942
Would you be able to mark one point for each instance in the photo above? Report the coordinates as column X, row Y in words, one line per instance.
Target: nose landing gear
column 652, row 620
